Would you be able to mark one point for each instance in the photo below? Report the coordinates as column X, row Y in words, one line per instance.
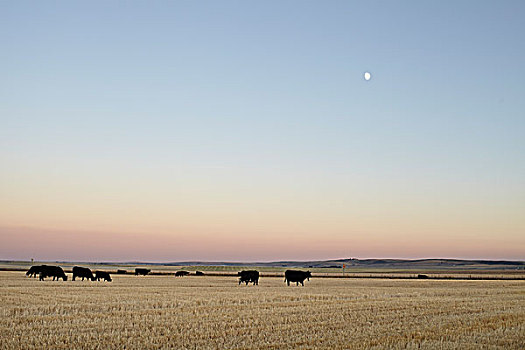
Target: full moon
column 367, row 76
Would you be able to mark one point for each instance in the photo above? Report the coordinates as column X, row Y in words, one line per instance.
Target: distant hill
column 373, row 263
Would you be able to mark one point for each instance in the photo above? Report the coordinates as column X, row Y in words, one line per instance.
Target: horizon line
column 259, row 262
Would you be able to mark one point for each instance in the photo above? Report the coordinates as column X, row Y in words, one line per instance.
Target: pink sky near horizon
column 79, row 214
column 23, row 243
column 66, row 213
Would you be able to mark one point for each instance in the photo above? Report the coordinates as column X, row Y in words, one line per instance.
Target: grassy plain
column 213, row 312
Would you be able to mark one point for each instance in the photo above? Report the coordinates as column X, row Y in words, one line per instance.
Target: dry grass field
column 155, row 312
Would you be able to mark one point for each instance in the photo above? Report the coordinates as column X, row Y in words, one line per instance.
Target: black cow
column 143, row 272
column 422, row 276
column 181, row 273
column 249, row 276
column 34, row 271
column 121, row 272
column 83, row 272
column 296, row 276
column 52, row 271
column 199, row 273
column 102, row 275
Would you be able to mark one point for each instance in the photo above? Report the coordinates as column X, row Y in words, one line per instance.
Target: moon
column 367, row 76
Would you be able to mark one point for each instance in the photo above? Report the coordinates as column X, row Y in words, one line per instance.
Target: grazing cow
column 83, row 272
column 296, row 276
column 34, row 271
column 181, row 273
column 143, row 272
column 52, row 271
column 121, row 272
column 249, row 276
column 199, row 273
column 102, row 275
column 422, row 276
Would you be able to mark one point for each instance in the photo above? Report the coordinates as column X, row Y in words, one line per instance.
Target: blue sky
column 258, row 98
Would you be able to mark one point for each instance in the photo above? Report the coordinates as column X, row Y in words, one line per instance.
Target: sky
column 245, row 131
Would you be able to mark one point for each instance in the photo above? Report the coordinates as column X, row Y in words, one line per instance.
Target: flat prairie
column 214, row 312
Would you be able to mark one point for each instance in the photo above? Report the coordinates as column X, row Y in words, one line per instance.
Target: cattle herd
column 250, row 276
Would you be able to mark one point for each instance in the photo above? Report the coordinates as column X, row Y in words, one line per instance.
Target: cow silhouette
column 296, row 276
column 52, row 271
column 102, row 275
column 82, row 272
column 144, row 272
column 248, row 276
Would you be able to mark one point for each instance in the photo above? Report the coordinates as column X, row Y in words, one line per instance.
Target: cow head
column 65, row 277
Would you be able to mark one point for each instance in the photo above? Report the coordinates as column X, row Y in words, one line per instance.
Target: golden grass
column 156, row 312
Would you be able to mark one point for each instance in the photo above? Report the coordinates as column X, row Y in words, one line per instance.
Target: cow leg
column 302, row 282
column 288, row 283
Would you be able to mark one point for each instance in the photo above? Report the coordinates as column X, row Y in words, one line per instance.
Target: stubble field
column 214, row 312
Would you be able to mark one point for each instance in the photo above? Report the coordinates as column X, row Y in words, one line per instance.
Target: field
column 214, row 312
